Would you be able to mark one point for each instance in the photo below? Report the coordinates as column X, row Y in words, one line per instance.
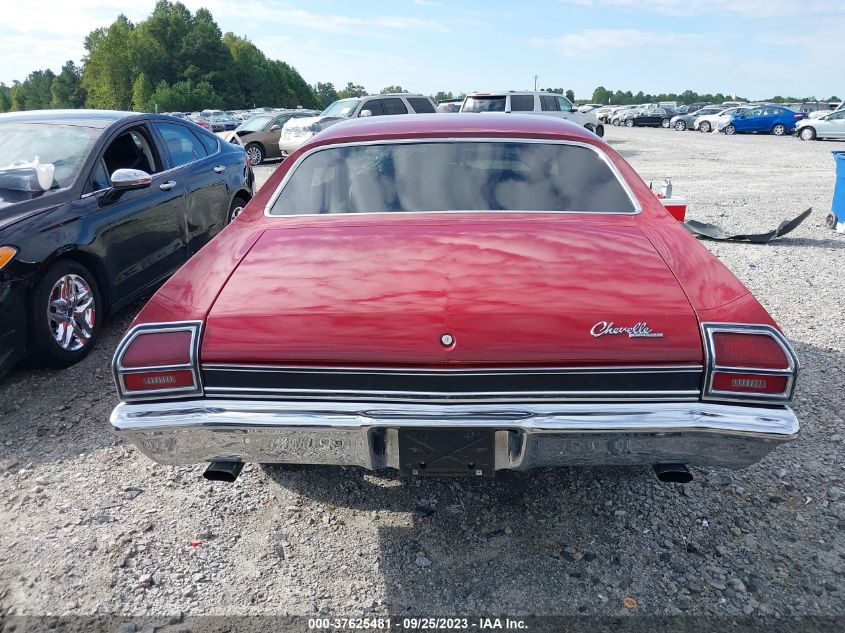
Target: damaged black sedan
column 96, row 209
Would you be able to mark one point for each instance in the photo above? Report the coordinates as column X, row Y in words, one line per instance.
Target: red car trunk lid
column 511, row 290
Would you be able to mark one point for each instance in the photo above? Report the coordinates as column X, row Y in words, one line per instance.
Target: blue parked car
column 769, row 118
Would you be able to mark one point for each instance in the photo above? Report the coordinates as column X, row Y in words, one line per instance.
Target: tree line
column 688, row 97
column 171, row 61
column 178, row 61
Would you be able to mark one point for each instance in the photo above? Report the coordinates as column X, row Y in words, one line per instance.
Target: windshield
column 453, row 176
column 483, row 104
column 28, row 151
column 343, row 108
column 255, row 124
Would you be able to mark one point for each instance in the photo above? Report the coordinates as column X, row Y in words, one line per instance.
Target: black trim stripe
column 613, row 383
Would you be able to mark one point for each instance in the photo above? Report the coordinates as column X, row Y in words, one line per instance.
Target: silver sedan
column 828, row 126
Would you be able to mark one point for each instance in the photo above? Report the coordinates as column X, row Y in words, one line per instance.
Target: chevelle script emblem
column 639, row 330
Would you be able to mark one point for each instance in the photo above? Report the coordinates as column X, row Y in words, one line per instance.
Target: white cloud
column 747, row 8
column 595, row 43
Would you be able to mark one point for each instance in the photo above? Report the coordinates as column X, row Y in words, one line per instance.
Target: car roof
column 89, row 118
column 451, row 125
column 389, row 94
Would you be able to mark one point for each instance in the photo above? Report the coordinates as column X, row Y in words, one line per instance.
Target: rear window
column 484, row 104
column 522, row 103
column 394, row 106
column 453, row 176
column 421, row 105
column 549, row 104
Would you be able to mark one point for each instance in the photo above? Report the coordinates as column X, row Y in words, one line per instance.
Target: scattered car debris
column 713, row 232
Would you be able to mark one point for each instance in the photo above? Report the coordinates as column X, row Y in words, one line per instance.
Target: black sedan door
column 195, row 160
column 142, row 230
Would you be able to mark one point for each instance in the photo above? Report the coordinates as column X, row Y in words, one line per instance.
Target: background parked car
column 651, row 117
column 620, row 115
column 296, row 131
column 766, row 119
column 709, row 122
column 113, row 204
column 261, row 133
column 449, row 105
column 207, row 123
column 831, row 125
column 686, row 120
column 821, row 112
column 603, row 113
column 545, row 103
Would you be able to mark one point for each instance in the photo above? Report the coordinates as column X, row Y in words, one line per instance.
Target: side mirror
column 573, row 109
column 275, row 127
column 365, row 113
column 126, row 179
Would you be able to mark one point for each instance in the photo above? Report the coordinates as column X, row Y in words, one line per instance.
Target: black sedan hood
column 17, row 205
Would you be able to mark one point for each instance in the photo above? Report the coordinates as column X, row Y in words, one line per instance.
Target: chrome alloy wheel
column 255, row 155
column 71, row 312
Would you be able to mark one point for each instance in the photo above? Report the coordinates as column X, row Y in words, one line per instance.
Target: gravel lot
column 91, row 527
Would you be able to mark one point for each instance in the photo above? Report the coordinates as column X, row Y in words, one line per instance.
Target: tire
column 705, row 127
column 680, row 125
column 665, row 124
column 830, row 221
column 779, row 129
column 255, row 153
column 629, row 123
column 807, row 134
column 235, row 208
column 62, row 334
column 616, row 122
column 730, row 130
column 600, row 131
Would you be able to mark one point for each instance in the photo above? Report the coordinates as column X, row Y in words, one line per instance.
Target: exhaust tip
column 672, row 473
column 223, row 471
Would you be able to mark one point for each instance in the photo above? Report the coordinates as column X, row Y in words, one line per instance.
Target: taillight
column 158, row 360
column 748, row 363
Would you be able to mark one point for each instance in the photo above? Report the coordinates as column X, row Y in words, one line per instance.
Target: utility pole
column 535, row 83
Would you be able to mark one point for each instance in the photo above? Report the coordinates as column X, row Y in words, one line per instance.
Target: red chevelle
column 455, row 294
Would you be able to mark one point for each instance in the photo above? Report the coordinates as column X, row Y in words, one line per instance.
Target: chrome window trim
column 711, row 367
column 119, row 371
column 453, row 139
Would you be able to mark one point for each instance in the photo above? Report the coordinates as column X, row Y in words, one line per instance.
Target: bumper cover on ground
column 526, row 435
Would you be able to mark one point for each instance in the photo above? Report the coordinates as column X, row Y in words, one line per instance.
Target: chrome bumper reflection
column 527, row 435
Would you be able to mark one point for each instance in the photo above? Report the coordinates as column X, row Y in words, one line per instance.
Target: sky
column 752, row 48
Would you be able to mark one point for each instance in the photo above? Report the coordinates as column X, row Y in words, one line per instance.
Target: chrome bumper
column 527, row 435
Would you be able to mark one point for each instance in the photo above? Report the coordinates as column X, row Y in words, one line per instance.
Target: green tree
column 352, row 90
column 325, row 93
column 442, row 96
column 108, row 72
column 602, row 95
column 174, row 59
column 391, row 90
column 142, row 90
column 66, row 90
column 5, row 98
column 570, row 94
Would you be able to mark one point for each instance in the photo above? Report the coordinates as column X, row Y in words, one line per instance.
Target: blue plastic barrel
column 839, row 189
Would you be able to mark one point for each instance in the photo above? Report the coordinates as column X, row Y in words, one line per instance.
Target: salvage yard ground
column 91, row 526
